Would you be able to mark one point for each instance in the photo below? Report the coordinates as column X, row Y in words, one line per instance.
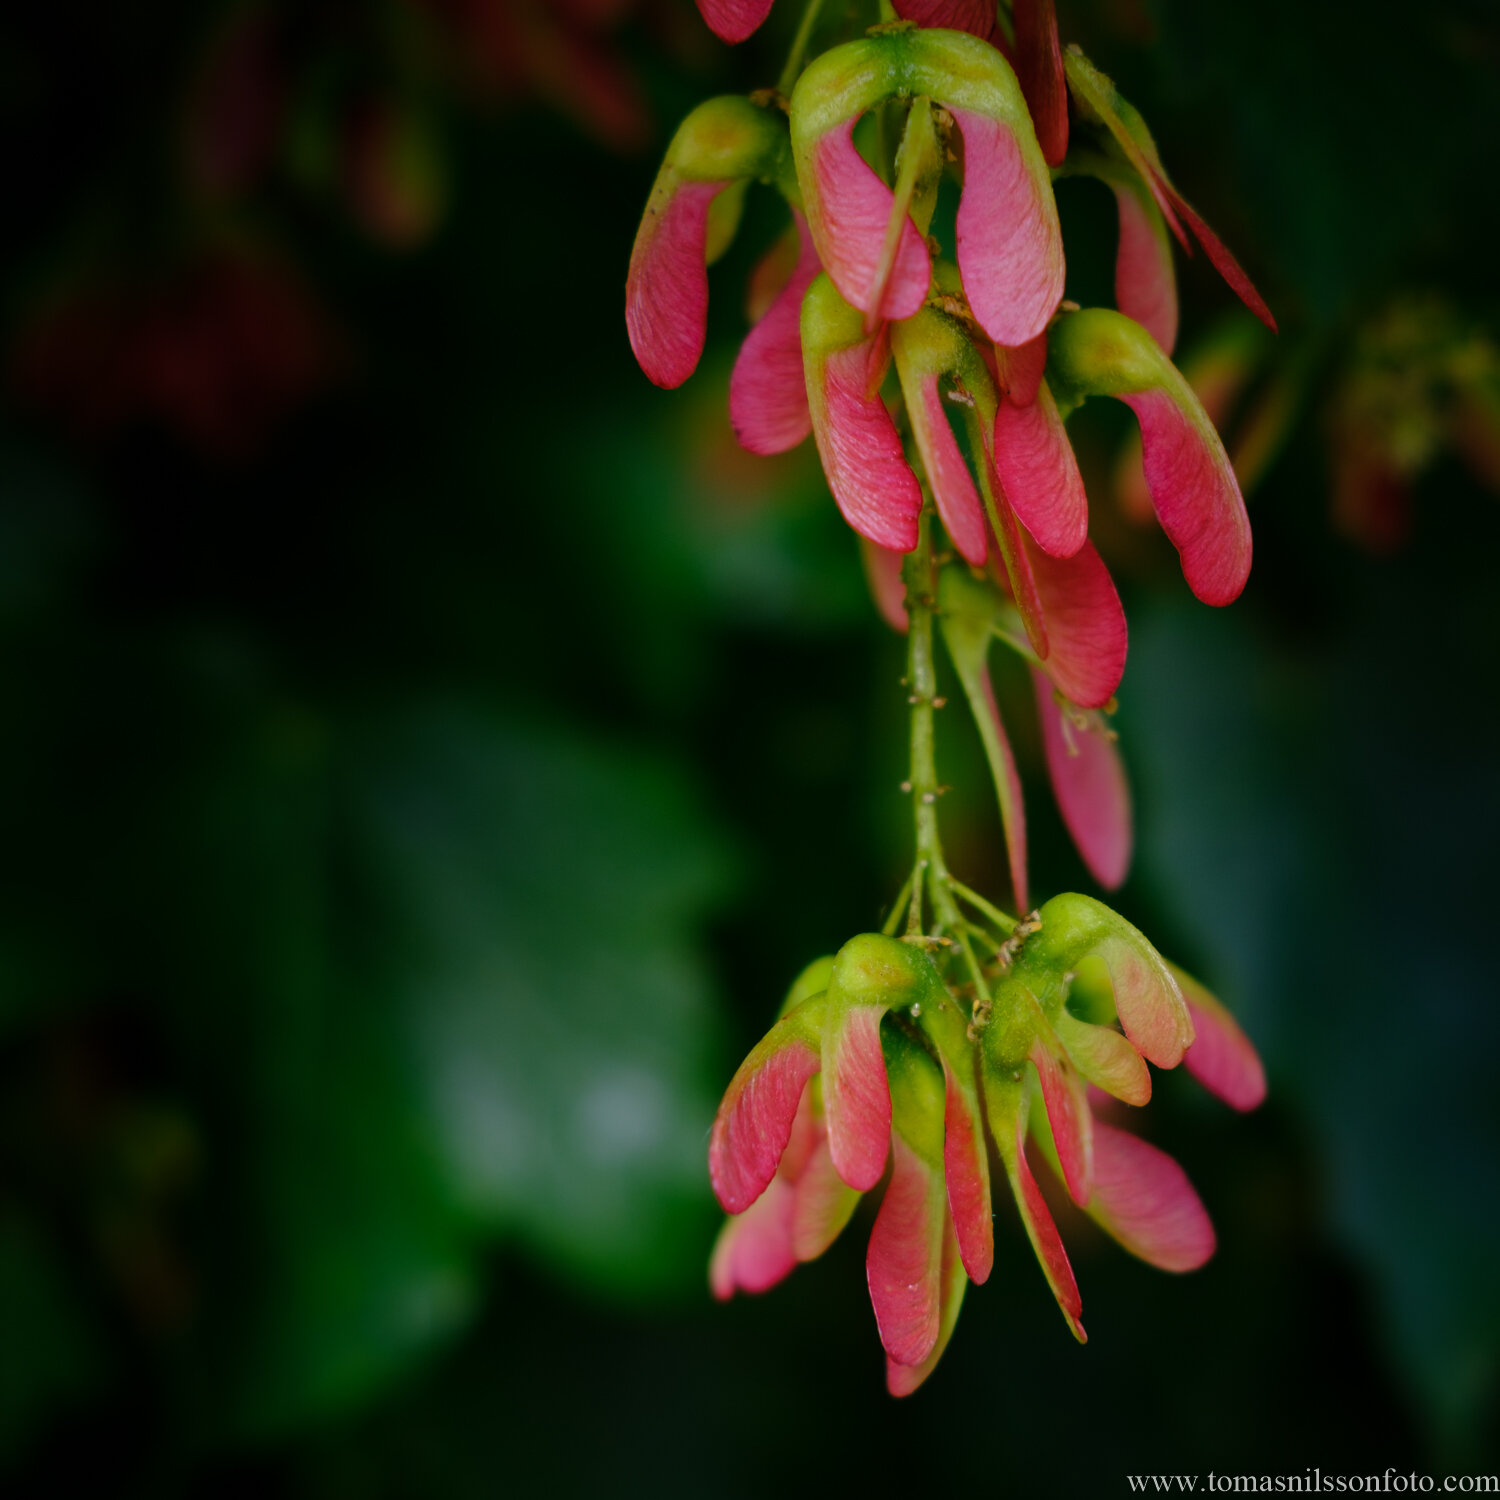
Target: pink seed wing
column 755, row 1119
column 1222, row 1058
column 734, row 20
column 1018, row 371
column 887, row 588
column 861, row 452
column 1217, row 374
column 823, row 1204
column 1085, row 624
column 948, row 476
column 767, row 390
column 966, row 1169
column 807, row 1132
column 1046, row 1242
column 856, row 1094
column 1009, row 244
column 1145, row 279
column 1068, row 1115
column 1039, row 68
column 1016, row 551
column 977, row 17
column 1088, row 780
column 1036, row 465
column 1196, row 494
column 904, row 1263
column 1149, row 1003
column 854, row 210
column 754, row 1249
column 666, row 291
column 1106, row 1059
column 902, row 1380
column 1224, row 262
column 1144, row 1199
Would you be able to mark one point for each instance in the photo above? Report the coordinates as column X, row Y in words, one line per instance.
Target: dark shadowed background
column 430, row 751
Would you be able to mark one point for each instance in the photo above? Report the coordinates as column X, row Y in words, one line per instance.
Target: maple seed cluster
column 920, row 336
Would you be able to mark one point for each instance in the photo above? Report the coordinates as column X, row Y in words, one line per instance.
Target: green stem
column 921, row 684
column 899, row 907
column 975, row 968
column 914, row 928
column 1017, row 643
column 793, row 69
column 1006, row 924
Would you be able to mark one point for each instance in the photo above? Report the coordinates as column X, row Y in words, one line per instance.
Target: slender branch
column 899, row 907
column 914, row 911
column 1004, row 923
column 921, row 684
column 975, row 968
column 1017, row 643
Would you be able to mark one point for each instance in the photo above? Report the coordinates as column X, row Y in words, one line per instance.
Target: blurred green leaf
column 535, row 898
column 475, row 1008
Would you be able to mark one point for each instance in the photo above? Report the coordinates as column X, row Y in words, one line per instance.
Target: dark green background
column 410, row 818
